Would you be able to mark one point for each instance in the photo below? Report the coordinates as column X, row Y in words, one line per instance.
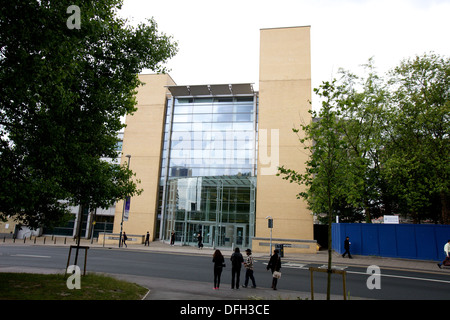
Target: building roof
column 212, row 90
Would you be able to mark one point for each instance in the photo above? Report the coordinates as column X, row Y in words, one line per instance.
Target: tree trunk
column 330, row 221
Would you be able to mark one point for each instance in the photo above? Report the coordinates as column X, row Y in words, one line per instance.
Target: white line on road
column 402, row 277
column 29, row 256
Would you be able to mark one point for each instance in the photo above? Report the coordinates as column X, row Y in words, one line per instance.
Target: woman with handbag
column 219, row 263
column 275, row 266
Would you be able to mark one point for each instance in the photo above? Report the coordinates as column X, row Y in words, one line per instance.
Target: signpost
column 127, row 200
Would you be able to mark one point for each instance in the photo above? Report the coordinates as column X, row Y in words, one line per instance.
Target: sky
column 219, row 40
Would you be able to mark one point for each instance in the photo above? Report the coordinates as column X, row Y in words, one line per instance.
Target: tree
column 327, row 179
column 63, row 92
column 417, row 154
column 361, row 104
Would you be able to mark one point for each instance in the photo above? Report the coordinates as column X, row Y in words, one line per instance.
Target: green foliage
column 381, row 146
column 63, row 93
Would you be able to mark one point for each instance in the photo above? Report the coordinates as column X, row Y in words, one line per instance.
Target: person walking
column 275, row 266
column 347, row 244
column 236, row 264
column 447, row 254
column 248, row 264
column 147, row 240
column 199, row 239
column 172, row 238
column 124, row 239
column 219, row 263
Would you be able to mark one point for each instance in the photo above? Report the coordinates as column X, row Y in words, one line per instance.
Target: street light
column 124, row 203
column 270, row 226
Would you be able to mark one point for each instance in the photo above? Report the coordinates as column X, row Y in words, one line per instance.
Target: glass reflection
column 207, row 171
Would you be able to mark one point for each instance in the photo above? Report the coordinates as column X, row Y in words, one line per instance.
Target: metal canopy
column 212, row 90
column 199, row 90
column 242, row 88
column 179, row 91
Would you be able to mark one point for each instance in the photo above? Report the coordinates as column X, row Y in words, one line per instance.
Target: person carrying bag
column 275, row 266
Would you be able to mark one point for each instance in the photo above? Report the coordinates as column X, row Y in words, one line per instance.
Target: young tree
column 326, row 177
column 64, row 86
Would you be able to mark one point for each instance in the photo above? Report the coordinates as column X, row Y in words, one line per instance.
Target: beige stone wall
column 143, row 138
column 8, row 226
column 284, row 102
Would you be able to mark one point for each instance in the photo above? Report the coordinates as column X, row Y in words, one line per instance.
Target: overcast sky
column 219, row 40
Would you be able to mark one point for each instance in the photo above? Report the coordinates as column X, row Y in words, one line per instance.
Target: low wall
column 113, row 238
column 410, row 241
column 290, row 245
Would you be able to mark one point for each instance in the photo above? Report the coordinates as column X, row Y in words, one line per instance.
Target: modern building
column 207, row 156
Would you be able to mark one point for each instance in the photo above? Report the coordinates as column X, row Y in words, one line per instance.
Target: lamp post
column 124, row 203
column 270, row 226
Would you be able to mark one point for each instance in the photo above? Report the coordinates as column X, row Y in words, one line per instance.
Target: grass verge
column 27, row 286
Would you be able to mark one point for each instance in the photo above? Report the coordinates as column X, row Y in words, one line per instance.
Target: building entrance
column 221, row 210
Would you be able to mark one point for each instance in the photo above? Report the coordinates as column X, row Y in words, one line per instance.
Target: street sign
column 127, row 209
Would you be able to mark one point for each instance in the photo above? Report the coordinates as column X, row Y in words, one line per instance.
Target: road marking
column 333, row 267
column 29, row 256
column 403, row 277
column 293, row 265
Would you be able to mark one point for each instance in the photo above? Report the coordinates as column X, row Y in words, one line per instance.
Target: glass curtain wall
column 208, row 171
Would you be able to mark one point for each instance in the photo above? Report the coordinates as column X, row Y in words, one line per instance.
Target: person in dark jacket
column 219, row 263
column 236, row 263
column 347, row 248
column 199, row 239
column 274, row 265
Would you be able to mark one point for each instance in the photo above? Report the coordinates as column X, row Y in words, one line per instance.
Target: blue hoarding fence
column 410, row 241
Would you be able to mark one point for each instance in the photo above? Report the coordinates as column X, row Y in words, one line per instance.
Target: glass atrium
column 208, row 165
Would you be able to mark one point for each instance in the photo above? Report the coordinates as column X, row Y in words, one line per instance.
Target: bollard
column 65, row 238
column 24, row 238
column 44, row 240
column 34, row 240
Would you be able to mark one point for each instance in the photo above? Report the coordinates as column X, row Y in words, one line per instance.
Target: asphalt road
column 394, row 284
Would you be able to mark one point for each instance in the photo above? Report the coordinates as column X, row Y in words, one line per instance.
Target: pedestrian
column 446, row 261
column 172, row 238
column 248, row 264
column 147, row 239
column 124, row 239
column 347, row 244
column 236, row 264
column 199, row 239
column 275, row 266
column 219, row 263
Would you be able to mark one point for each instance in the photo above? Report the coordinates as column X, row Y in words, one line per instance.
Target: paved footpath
column 167, row 289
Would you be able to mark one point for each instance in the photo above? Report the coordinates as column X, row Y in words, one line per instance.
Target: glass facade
column 208, row 169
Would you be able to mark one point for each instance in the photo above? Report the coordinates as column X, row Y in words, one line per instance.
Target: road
column 394, row 284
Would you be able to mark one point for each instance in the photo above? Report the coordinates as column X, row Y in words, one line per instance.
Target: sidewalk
column 166, row 289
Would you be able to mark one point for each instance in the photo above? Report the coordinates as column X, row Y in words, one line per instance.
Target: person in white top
column 447, row 254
